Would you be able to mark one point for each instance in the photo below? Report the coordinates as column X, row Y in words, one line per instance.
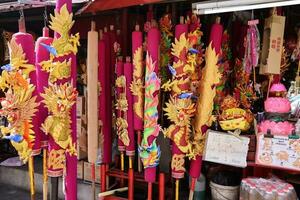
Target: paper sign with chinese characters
column 279, row 152
column 225, row 148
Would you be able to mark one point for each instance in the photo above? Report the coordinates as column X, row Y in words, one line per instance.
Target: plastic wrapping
column 266, row 189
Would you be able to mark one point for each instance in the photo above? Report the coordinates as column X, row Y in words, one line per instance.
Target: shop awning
column 101, row 5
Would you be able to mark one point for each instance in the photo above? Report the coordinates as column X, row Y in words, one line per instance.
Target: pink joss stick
column 216, row 34
column 120, row 72
column 138, row 78
column 181, row 28
column 71, row 161
column 137, row 42
column 112, row 39
column 25, row 40
column 103, row 109
column 128, row 71
column 27, row 43
column 108, row 96
column 42, row 79
column 153, row 46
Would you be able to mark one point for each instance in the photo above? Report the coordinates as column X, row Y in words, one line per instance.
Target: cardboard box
column 78, row 126
column 272, row 45
column 82, row 145
column 87, row 173
column 80, row 170
column 80, row 106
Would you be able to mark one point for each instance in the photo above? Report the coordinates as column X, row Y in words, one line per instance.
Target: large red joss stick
column 112, row 39
column 71, row 161
column 153, row 38
column 92, row 98
column 178, row 174
column 120, row 90
column 130, row 149
column 108, row 102
column 137, row 85
column 128, row 70
column 25, row 40
column 207, row 91
column 103, row 125
column 195, row 164
column 42, row 81
column 216, row 34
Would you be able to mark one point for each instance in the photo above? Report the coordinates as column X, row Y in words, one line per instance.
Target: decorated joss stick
column 148, row 150
column 137, row 85
column 216, row 35
column 204, row 118
column 166, row 27
column 19, row 105
column 102, row 110
column 92, row 92
column 71, row 158
column 25, row 40
column 130, row 148
column 183, row 70
column 42, row 81
column 121, row 107
column 153, row 38
column 60, row 99
column 194, row 37
column 107, row 124
column 179, row 86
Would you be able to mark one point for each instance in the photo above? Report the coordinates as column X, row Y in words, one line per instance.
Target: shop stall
column 155, row 99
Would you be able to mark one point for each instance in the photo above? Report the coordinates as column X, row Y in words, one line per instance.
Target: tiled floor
column 8, row 192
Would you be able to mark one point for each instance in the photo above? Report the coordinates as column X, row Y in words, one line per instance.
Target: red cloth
column 99, row 5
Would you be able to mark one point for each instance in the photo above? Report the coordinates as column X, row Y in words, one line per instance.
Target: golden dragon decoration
column 137, row 85
column 180, row 108
column 59, row 99
column 57, row 66
column 207, row 89
column 18, row 105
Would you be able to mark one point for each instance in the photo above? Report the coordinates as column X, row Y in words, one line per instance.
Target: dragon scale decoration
column 18, row 106
column 149, row 151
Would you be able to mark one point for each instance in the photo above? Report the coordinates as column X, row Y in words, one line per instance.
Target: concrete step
column 17, row 178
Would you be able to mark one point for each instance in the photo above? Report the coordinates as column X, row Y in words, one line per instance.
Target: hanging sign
column 226, row 148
